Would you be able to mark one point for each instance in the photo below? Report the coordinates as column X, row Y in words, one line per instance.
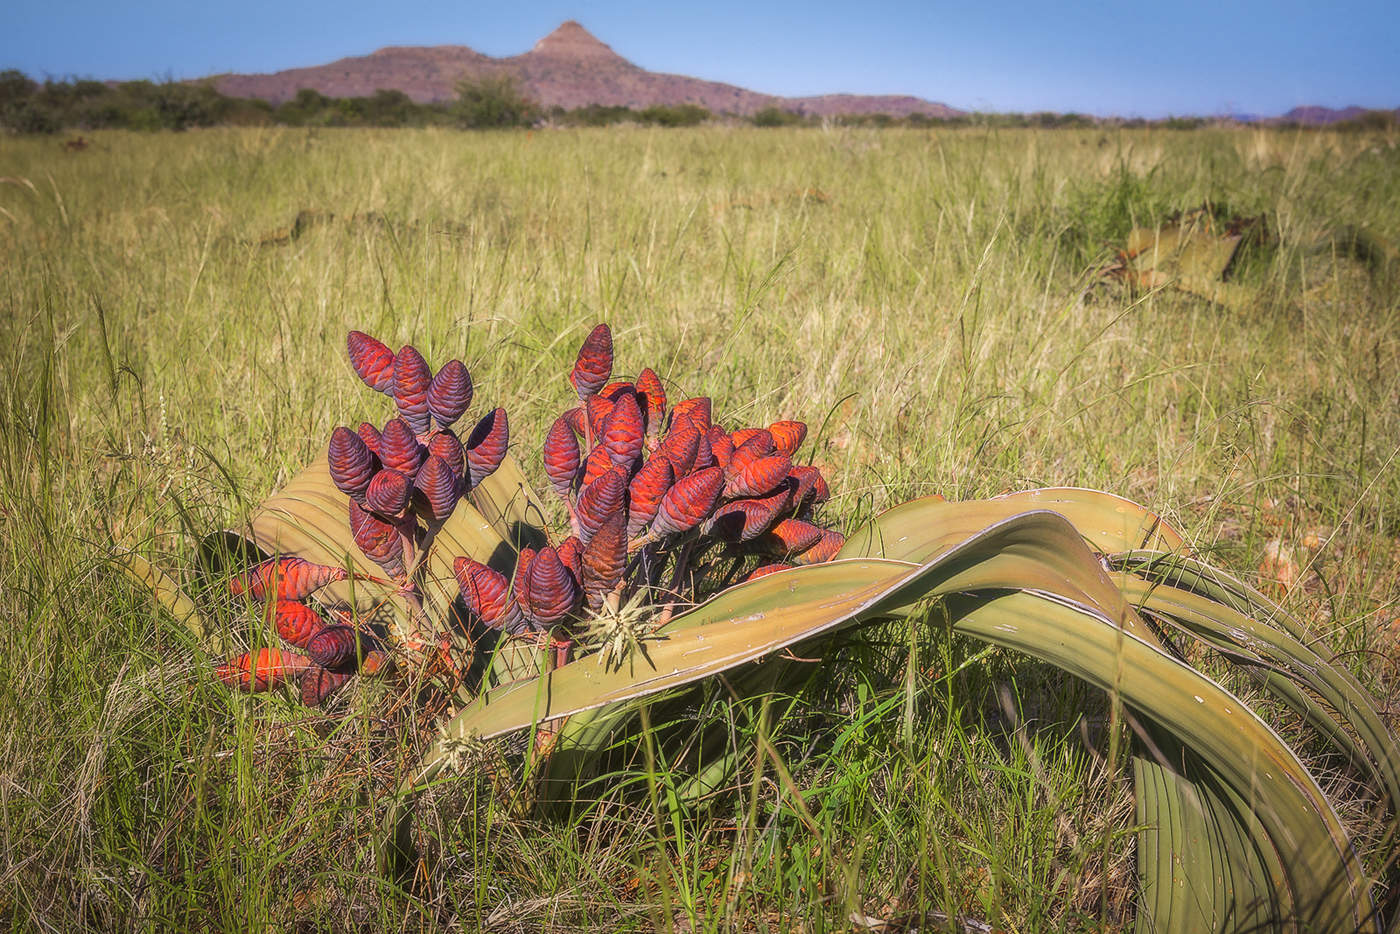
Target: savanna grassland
column 172, row 350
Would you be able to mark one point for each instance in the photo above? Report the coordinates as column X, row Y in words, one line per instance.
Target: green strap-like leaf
column 1329, row 888
column 1204, row 864
column 169, row 595
column 1023, row 551
column 1226, row 628
column 921, row 529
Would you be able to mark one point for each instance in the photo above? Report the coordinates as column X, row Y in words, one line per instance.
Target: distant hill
column 1322, row 116
column 568, row 68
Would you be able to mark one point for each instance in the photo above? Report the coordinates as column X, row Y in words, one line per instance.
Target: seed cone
column 789, row 536
column 623, row 432
column 388, row 493
column 487, row 594
column 486, row 446
column 594, row 364
column 446, row 446
column 604, row 559
column 596, row 410
column 318, row 684
column 597, row 464
column 399, row 448
column 561, row 457
column 552, row 592
column 721, row 446
column 787, row 436
column 296, row 622
column 654, row 400
column 450, row 393
column 824, row 550
column 612, row 391
column 571, row 554
column 333, row 646
column 285, row 579
column 766, row 569
column 697, row 410
column 262, row 670
column 811, row 487
column 370, row 436
column 599, row 501
column 756, row 445
column 681, row 445
column 378, row 540
column 758, row 477
column 435, row 490
column 743, row 519
column 644, row 495
column 373, row 362
column 412, row 377
column 689, row 502
column 350, row 461
column 743, row 435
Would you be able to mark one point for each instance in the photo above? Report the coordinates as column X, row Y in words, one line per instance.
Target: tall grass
column 925, row 298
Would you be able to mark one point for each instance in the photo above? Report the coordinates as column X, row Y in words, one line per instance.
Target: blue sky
column 1148, row 58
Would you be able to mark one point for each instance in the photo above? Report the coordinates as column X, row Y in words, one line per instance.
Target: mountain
column 1321, row 116
column 568, row 68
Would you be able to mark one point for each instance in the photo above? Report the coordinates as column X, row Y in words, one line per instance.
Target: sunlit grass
column 924, row 300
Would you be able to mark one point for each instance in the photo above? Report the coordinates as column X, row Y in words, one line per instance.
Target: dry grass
column 930, row 313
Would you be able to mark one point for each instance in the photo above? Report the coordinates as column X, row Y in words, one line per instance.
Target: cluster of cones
column 332, row 652
column 405, row 479
column 646, row 485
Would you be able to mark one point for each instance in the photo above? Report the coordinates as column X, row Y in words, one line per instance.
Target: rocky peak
column 572, row 42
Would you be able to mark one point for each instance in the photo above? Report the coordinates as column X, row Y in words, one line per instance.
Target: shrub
column 773, row 116
column 492, row 102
